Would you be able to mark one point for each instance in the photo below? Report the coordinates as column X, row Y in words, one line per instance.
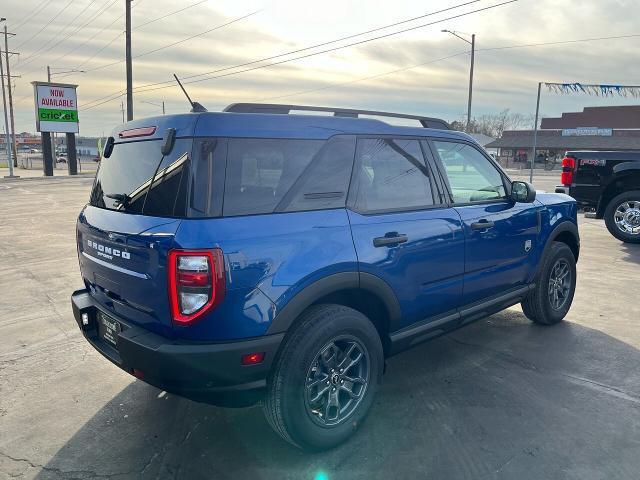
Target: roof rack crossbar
column 275, row 108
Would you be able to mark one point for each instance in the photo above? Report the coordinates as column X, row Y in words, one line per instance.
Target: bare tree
column 493, row 125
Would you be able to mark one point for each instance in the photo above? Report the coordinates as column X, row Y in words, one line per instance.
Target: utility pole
column 11, row 118
column 128, row 61
column 6, row 120
column 122, row 110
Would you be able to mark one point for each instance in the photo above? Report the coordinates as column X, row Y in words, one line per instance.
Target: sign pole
column 72, row 163
column 47, row 155
column 535, row 134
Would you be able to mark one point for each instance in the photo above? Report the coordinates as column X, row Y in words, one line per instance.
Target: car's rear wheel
column 325, row 378
column 622, row 216
column 550, row 300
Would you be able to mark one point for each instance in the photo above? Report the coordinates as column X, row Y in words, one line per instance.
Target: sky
column 405, row 72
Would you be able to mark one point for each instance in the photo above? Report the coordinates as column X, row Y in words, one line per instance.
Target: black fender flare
column 563, row 227
column 331, row 284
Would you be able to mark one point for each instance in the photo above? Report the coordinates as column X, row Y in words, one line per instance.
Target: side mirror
column 522, row 192
column 108, row 147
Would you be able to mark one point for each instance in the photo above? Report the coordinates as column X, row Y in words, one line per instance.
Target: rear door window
column 137, row 178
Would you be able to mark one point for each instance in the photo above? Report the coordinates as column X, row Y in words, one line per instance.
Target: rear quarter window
column 261, row 171
column 232, row 176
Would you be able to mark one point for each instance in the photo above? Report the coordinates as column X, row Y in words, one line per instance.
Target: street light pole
column 473, row 53
column 155, row 104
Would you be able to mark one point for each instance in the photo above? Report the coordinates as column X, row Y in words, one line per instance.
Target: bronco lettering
column 108, row 252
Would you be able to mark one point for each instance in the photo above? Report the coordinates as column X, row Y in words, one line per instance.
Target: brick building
column 595, row 128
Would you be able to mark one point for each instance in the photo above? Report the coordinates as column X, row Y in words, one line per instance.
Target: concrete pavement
column 499, row 399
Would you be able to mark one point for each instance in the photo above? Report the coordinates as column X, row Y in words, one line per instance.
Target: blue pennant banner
column 599, row 90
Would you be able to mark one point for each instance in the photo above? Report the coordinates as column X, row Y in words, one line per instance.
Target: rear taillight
column 568, row 166
column 196, row 283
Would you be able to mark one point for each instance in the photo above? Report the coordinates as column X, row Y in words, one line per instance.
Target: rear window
column 137, row 178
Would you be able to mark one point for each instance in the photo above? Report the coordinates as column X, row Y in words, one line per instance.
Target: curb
column 19, row 179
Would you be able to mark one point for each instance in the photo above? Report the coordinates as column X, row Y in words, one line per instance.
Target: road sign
column 56, row 107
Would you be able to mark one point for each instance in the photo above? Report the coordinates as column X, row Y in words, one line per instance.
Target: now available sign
column 56, row 107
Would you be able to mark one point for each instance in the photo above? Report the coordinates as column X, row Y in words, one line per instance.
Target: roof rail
column 426, row 122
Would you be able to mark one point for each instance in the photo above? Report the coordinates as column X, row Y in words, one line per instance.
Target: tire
column 626, row 209
column 539, row 306
column 288, row 402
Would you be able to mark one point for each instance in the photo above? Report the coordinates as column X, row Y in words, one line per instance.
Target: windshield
column 137, row 178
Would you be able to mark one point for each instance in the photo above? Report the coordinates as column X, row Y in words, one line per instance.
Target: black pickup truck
column 609, row 183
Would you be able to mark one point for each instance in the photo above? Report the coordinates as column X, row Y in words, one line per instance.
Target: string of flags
column 599, row 90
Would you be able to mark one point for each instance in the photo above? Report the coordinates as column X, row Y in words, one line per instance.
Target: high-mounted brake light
column 568, row 166
column 137, row 132
column 196, row 283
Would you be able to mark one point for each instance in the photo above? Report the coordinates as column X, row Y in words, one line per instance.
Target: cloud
column 503, row 78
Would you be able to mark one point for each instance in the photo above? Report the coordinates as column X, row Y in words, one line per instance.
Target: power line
column 33, row 12
column 105, row 46
column 506, row 47
column 337, row 48
column 362, row 79
column 46, row 25
column 170, row 83
column 108, row 44
column 93, row 16
column 171, row 13
column 50, row 46
column 317, row 45
column 178, row 42
column 559, row 42
column 92, row 36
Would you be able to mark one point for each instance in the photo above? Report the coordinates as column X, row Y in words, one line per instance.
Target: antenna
column 195, row 106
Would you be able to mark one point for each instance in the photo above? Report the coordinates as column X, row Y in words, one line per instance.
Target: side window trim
column 443, row 174
column 353, row 183
column 437, row 181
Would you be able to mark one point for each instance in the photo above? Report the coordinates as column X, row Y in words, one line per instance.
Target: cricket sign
column 56, row 107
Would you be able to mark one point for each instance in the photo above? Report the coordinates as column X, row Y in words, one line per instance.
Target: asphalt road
column 499, row 399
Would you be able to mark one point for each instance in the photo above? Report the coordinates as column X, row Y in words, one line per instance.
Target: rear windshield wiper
column 121, row 199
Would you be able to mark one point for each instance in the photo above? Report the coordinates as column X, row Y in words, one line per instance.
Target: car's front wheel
column 550, row 300
column 622, row 216
column 325, row 378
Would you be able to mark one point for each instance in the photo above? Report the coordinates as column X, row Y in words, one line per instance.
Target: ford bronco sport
column 260, row 254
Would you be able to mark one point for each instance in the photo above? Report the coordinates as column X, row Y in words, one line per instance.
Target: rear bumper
column 562, row 189
column 206, row 372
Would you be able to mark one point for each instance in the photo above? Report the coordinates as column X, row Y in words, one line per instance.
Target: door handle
column 482, row 225
column 390, row 239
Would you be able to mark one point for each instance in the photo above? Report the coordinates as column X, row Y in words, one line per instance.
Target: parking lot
column 501, row 398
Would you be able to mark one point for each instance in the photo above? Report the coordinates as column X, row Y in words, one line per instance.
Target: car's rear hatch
column 124, row 234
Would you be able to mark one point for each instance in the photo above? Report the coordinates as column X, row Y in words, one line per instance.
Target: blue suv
column 267, row 254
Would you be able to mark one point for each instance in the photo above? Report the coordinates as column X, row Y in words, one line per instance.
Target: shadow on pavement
column 502, row 398
column 632, row 252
